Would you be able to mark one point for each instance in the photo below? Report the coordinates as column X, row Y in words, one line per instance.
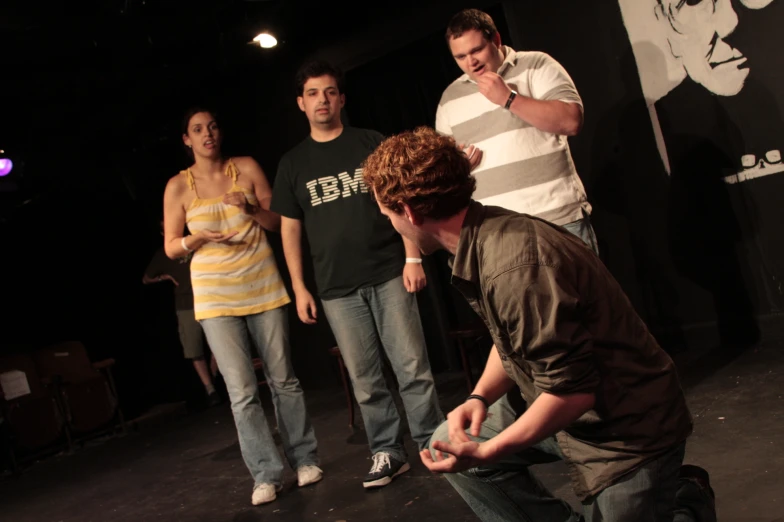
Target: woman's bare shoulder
column 177, row 186
column 246, row 163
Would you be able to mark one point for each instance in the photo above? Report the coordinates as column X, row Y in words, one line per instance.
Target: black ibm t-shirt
column 353, row 245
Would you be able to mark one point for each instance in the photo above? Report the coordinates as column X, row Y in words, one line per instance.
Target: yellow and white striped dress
column 239, row 277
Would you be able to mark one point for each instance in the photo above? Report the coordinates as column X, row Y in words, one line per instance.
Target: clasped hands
column 460, row 453
column 234, row 198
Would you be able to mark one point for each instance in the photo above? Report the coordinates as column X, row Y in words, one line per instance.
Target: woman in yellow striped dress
column 239, row 298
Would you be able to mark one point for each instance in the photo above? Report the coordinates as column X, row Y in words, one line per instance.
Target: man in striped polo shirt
column 514, row 111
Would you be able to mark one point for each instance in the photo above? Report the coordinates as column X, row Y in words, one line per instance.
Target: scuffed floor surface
column 188, row 467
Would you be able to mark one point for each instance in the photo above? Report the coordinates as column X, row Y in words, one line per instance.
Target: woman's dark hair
column 190, row 113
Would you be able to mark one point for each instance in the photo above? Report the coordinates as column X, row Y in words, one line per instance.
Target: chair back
column 67, row 360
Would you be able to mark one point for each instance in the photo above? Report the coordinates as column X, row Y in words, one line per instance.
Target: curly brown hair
column 423, row 169
column 468, row 19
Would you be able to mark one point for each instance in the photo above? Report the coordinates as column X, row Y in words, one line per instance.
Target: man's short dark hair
column 469, row 19
column 315, row 69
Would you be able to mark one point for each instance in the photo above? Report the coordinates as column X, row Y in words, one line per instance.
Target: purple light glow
column 6, row 165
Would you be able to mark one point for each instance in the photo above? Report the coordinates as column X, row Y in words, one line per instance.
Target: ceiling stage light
column 266, row 40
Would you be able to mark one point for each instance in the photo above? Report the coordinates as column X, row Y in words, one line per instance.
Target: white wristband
column 413, row 260
column 184, row 245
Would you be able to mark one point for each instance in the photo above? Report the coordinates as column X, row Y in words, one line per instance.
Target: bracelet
column 509, row 101
column 182, row 242
column 413, row 260
column 479, row 398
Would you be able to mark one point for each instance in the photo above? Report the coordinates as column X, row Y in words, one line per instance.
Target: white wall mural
column 678, row 41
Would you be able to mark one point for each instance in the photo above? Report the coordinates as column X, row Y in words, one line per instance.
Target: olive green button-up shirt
column 563, row 325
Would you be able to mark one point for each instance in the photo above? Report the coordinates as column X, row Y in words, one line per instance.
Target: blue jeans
column 386, row 316
column 583, row 229
column 232, row 340
column 507, row 490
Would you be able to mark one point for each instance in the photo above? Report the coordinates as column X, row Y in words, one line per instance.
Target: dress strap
column 231, row 171
column 191, row 182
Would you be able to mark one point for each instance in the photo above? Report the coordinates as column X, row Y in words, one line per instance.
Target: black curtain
column 401, row 90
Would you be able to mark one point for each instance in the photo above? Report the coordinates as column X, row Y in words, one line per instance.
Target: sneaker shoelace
column 380, row 460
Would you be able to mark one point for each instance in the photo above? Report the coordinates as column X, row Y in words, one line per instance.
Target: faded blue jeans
column 507, row 490
column 232, row 341
column 386, row 316
column 583, row 229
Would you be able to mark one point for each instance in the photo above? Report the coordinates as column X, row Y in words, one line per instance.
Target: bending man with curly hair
column 601, row 394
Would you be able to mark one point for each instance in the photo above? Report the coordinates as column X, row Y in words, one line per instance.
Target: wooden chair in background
column 35, row 423
column 468, row 338
column 86, row 389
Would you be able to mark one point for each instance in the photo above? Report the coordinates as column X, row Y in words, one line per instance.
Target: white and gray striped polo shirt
column 523, row 168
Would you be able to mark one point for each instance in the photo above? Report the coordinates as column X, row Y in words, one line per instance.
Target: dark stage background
column 91, row 103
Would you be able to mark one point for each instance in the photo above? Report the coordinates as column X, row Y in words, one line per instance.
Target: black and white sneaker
column 385, row 468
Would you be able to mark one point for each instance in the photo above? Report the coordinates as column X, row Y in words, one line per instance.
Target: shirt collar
column 464, row 262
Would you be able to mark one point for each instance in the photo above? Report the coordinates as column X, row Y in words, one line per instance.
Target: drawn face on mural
column 696, row 30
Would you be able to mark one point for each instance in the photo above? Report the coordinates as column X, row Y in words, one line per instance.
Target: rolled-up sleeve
column 542, row 316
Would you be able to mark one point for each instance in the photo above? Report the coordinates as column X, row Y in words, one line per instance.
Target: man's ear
column 413, row 217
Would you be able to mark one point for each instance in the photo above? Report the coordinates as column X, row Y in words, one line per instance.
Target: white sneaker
column 264, row 493
column 309, row 475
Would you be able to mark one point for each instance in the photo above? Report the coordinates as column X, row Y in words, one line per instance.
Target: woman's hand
column 214, row 236
column 238, row 199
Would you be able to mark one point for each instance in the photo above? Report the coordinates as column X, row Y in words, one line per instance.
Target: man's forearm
column 554, row 116
column 494, row 382
column 547, row 415
column 266, row 218
column 291, row 237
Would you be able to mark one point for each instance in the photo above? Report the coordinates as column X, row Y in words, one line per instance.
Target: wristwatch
column 509, row 101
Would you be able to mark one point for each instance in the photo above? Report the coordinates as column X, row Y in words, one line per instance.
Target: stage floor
column 187, row 467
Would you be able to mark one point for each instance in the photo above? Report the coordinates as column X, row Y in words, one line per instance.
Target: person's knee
column 441, row 434
column 370, row 389
column 242, row 392
column 280, row 375
column 410, row 375
column 243, row 400
column 367, row 380
column 286, row 385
